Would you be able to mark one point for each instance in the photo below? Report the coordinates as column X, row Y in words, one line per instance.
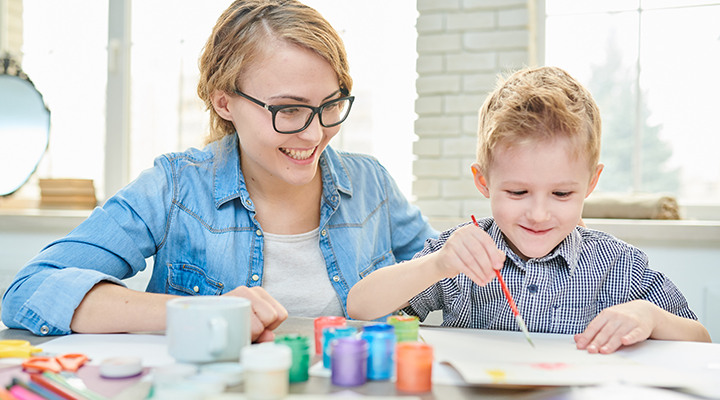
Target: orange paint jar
column 414, row 367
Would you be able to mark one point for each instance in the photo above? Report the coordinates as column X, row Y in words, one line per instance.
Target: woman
column 267, row 203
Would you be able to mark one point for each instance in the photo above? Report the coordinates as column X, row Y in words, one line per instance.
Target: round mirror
column 24, row 127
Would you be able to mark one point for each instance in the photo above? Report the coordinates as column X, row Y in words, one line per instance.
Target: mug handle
column 218, row 336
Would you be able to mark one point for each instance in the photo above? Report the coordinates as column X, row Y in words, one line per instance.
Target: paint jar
column 349, row 361
column 267, row 368
column 322, row 323
column 406, row 327
column 381, row 347
column 300, row 347
column 330, row 334
column 414, row 367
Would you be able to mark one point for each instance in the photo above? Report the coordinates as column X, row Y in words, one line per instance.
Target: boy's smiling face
column 536, row 193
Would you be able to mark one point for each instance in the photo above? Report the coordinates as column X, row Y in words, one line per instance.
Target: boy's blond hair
column 539, row 104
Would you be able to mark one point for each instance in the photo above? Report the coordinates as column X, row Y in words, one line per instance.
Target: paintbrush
column 510, row 300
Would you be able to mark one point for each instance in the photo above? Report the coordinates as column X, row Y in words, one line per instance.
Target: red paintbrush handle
column 502, row 282
column 507, row 293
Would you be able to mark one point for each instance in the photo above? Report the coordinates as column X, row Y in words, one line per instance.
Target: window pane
column 167, row 114
column 680, row 79
column 68, row 64
column 678, row 134
column 601, row 52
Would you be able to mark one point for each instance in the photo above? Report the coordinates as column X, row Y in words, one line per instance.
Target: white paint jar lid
column 266, row 356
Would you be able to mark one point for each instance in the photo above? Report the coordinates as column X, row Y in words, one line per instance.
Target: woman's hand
column 267, row 315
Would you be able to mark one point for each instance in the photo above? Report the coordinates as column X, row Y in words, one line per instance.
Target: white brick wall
column 11, row 26
column 462, row 47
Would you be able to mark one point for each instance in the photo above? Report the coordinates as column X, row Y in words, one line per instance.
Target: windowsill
column 664, row 232
column 685, row 232
column 31, row 217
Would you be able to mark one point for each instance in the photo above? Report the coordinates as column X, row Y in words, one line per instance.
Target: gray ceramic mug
column 208, row 328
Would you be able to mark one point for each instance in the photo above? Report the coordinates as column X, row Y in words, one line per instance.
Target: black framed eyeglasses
column 294, row 118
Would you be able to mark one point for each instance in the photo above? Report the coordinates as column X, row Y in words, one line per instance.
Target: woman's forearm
column 110, row 308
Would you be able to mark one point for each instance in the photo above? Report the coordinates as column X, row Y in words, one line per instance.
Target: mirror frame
column 8, row 66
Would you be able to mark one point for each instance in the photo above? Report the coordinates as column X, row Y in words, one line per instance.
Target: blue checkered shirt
column 559, row 293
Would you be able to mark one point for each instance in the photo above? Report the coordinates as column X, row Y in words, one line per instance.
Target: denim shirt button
column 44, row 330
column 323, row 232
column 255, row 277
column 258, row 232
column 336, row 278
column 248, row 202
column 196, row 289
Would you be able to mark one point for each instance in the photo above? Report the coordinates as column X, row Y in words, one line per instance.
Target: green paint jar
column 406, row 327
column 300, row 347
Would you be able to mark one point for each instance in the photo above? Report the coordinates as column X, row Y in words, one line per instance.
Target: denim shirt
column 192, row 213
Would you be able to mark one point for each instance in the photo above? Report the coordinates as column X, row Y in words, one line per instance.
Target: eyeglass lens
column 296, row 118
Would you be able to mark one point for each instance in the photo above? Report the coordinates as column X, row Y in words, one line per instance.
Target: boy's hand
column 622, row 324
column 470, row 251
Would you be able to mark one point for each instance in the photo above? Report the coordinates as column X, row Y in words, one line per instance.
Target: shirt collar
column 568, row 250
column 229, row 182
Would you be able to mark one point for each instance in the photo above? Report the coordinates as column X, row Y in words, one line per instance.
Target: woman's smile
column 298, row 154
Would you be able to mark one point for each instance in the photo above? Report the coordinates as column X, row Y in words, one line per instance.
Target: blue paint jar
column 381, row 342
column 332, row 333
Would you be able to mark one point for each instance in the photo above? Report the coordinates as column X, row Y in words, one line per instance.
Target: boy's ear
column 480, row 180
column 220, row 104
column 594, row 179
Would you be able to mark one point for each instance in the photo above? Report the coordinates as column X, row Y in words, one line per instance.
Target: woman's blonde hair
column 242, row 32
column 539, row 104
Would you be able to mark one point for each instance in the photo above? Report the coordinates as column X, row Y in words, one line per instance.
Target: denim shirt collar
column 229, row 182
column 567, row 251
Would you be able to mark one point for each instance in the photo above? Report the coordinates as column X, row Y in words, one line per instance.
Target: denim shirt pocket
column 383, row 260
column 187, row 279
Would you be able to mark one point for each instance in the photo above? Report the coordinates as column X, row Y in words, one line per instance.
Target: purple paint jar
column 349, row 362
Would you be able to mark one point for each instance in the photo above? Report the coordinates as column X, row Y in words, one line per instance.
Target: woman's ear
column 480, row 180
column 220, row 103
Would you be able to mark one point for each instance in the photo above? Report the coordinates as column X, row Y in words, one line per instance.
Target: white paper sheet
column 152, row 349
column 485, row 357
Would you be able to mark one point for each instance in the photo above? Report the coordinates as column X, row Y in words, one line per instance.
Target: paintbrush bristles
column 524, row 329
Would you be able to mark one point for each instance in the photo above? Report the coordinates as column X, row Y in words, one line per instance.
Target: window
column 68, row 62
column 652, row 67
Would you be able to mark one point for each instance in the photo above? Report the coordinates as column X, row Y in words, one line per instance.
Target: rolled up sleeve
column 111, row 245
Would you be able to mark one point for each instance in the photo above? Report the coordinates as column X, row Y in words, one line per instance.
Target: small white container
column 267, row 368
column 173, row 373
column 230, row 372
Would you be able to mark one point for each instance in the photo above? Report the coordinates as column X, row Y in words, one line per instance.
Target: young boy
column 538, row 159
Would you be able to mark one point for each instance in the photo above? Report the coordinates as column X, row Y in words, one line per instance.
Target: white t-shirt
column 295, row 274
